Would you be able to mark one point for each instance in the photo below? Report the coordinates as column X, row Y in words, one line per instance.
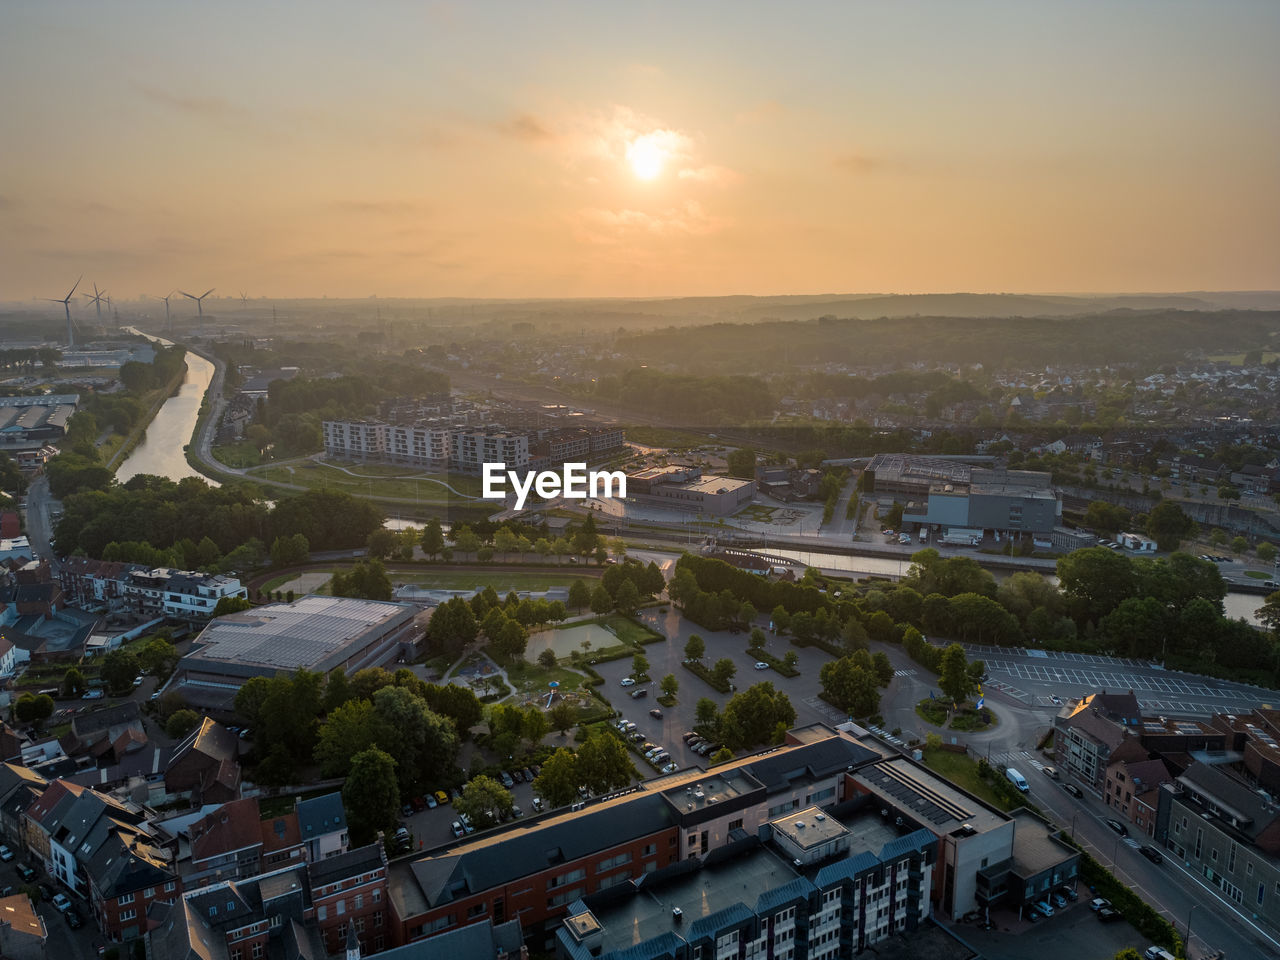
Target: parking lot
column 1036, row 676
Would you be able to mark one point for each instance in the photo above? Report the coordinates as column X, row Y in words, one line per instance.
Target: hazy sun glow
column 645, row 157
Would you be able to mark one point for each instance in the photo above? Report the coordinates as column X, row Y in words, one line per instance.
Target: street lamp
column 1115, row 849
column 1073, row 824
column 1190, row 914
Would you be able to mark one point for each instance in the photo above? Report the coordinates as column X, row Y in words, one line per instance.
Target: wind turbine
column 244, row 301
column 167, row 320
column 96, row 298
column 199, row 300
column 66, row 305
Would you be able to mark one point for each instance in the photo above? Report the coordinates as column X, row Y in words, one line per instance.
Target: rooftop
column 19, row 914
column 811, row 828
column 921, row 794
column 1034, row 845
column 306, row 633
column 740, row 880
column 701, row 789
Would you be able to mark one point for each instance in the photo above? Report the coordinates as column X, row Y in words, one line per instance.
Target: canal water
column 160, row 451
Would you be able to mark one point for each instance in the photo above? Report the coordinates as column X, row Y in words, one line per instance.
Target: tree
column 512, row 640
column 883, row 668
column 757, row 715
column 780, row 618
column 367, row 581
column 601, row 602
column 465, row 539
column 723, row 755
column 505, row 541
column 371, row 795
column 33, row 709
column 536, row 725
column 457, row 703
column 791, row 659
column 432, row 538
column 452, row 627
column 181, row 723
column 639, row 666
column 1094, row 581
column 381, row 543
column 290, row 551
column 1239, row 545
column 558, row 781
column 579, row 595
column 756, row 639
column 706, row 715
column 119, row 667
column 228, row 605
column 670, row 685
column 695, row 647
column 1168, row 525
column 604, row 763
column 953, row 677
column 73, row 683
column 850, row 687
column 423, row 743
column 350, row 729
column 562, row 717
column 723, row 671
column 1266, row 552
column 628, row 599
column 547, row 659
column 484, row 800
column 742, row 463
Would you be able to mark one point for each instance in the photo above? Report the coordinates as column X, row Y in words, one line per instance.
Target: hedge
column 698, row 669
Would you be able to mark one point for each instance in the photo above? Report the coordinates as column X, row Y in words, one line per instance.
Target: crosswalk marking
column 904, row 673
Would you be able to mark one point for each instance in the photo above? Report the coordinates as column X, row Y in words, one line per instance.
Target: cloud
column 525, row 127
column 602, row 226
column 208, row 108
column 715, row 175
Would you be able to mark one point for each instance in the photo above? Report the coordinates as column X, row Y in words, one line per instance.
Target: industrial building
column 316, row 633
column 30, row 422
column 685, row 488
column 1006, row 502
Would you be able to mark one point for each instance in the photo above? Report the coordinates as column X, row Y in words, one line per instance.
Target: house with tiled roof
column 225, row 844
column 206, row 765
column 23, row 935
column 1086, row 731
column 1132, row 784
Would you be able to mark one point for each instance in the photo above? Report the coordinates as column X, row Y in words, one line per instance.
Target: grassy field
column 628, row 631
column 501, row 580
column 960, row 770
column 240, row 454
column 757, row 512
column 373, row 480
column 1257, row 575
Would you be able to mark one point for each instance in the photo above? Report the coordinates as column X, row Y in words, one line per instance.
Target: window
column 342, row 932
column 1262, row 889
column 735, row 824
column 649, row 850
column 359, row 924
column 342, row 907
column 124, row 898
column 612, row 862
column 231, row 905
column 213, row 911
column 564, row 878
column 377, row 919
column 1248, row 869
column 128, row 914
column 257, row 950
column 477, row 910
column 150, row 892
column 377, row 895
column 322, row 912
column 171, row 886
column 359, row 901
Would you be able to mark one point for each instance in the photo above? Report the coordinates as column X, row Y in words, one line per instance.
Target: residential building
column 107, row 733
column 23, row 935
column 194, row 596
column 1133, row 781
column 1086, row 731
column 205, row 766
column 89, row 582
column 225, row 844
column 322, row 826
column 349, row 893
column 1225, row 833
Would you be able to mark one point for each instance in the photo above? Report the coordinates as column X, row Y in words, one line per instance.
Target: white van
column 1017, row 779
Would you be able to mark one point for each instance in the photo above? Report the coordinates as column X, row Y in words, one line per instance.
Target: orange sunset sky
column 604, row 149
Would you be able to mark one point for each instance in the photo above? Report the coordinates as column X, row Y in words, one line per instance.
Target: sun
column 645, row 157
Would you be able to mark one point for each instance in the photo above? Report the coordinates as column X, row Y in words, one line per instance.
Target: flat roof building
column 314, row 632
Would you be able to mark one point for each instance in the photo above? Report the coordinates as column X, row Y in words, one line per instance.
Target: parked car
column 456, row 827
column 635, row 736
column 628, row 681
column 406, row 811
column 639, row 692
column 655, row 713
column 73, row 918
column 26, row 873
column 537, row 803
column 761, row 665
column 690, row 736
column 1099, row 903
column 671, row 768
column 429, row 802
column 1069, row 893
column 1152, row 854
column 1034, row 914
column 61, row 902
column 506, row 780
column 1109, row 915
column 1072, row 789
column 516, row 811
column 1043, row 907
column 1059, row 901
column 455, row 793
column 1118, row 827
column 528, row 775
column 5, row 853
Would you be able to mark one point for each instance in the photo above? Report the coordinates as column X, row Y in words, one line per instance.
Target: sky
column 549, row 149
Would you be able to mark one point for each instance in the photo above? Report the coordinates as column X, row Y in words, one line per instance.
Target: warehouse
column 314, row 633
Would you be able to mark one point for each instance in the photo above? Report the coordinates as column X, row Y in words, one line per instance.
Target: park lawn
column 374, row 480
column 534, row 678
column 757, row 512
column 629, row 631
column 960, row 770
column 1257, row 575
column 240, row 454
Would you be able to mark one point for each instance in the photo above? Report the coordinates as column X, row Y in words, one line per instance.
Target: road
column 39, row 523
column 1217, row 923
